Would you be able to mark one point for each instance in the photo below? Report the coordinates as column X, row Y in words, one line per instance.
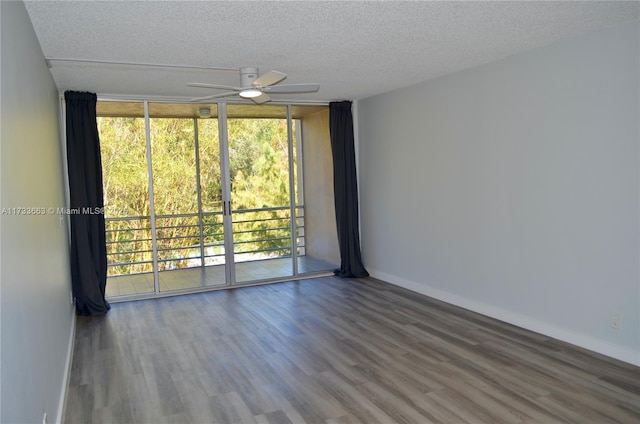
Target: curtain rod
column 161, row 99
column 49, row 61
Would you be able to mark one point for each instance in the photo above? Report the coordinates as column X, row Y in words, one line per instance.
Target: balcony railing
column 190, row 240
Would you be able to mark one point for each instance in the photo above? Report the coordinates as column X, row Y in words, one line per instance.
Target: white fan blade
column 292, row 88
column 270, row 78
column 263, row 98
column 214, row 96
column 216, row 86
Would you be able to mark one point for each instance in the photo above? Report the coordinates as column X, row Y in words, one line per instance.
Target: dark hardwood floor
column 333, row 351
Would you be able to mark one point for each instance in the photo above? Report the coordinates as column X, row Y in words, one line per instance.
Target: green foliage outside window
column 259, row 177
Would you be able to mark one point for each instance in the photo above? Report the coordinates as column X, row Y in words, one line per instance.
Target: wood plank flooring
column 336, row 351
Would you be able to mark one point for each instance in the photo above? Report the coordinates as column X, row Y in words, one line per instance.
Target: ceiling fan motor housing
column 247, row 76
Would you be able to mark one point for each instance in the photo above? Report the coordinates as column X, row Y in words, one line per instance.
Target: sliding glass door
column 187, row 202
column 222, row 203
column 130, row 253
column 260, row 195
column 211, row 183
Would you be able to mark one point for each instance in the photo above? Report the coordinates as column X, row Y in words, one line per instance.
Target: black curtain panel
column 345, row 187
column 88, row 241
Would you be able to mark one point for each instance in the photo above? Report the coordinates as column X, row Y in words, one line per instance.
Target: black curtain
column 88, row 241
column 345, row 187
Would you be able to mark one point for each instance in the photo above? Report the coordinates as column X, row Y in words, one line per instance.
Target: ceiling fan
column 256, row 87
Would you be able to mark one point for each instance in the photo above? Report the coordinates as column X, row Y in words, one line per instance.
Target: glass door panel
column 210, row 178
column 260, row 196
column 175, row 200
column 127, row 209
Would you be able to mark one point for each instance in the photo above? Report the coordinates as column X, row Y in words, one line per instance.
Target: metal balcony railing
column 190, row 240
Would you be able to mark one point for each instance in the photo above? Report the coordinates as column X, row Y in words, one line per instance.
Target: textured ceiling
column 352, row 49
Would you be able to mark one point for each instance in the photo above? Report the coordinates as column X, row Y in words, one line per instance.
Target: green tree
column 259, row 177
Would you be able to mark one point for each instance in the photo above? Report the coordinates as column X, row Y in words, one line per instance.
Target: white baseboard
column 62, row 404
column 585, row 341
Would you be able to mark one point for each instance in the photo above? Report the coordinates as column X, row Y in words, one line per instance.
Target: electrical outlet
column 614, row 320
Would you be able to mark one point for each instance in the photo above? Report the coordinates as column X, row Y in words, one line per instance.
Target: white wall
column 513, row 189
column 36, row 314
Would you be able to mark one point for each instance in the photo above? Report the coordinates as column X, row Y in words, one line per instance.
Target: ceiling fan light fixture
column 250, row 93
column 255, row 87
